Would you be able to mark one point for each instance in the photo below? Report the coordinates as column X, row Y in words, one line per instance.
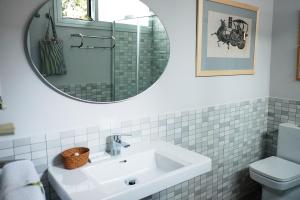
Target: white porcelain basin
column 141, row 170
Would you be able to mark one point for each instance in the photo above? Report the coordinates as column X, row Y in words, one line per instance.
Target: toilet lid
column 276, row 168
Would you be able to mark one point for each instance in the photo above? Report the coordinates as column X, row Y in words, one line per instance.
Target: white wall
column 284, row 48
column 36, row 109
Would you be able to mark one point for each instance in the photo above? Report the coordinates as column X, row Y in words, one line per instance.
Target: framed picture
column 298, row 55
column 226, row 38
column 298, row 65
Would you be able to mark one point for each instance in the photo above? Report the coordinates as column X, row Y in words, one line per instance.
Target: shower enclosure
column 140, row 55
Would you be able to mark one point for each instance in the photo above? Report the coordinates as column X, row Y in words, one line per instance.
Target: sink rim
column 197, row 165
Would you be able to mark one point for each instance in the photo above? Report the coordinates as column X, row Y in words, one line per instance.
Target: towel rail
column 90, row 36
column 82, row 36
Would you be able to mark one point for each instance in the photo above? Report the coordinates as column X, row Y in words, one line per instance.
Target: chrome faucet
column 114, row 144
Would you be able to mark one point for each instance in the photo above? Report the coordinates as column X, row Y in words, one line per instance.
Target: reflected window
column 76, row 9
column 122, row 11
column 132, row 12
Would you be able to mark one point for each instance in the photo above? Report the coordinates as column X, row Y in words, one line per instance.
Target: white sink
column 141, row 170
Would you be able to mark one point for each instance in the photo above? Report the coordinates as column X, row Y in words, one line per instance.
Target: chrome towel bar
column 82, row 36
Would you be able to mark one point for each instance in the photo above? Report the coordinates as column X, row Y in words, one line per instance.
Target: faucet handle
column 117, row 137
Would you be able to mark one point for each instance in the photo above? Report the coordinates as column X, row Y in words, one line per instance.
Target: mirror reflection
column 97, row 50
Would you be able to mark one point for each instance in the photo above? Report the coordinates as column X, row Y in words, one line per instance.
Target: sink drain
column 131, row 181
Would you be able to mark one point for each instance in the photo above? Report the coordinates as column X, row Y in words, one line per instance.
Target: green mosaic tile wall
column 280, row 111
column 125, row 64
column 153, row 57
column 91, row 91
column 161, row 49
column 231, row 135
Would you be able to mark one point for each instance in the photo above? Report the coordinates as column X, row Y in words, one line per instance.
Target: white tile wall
column 232, row 135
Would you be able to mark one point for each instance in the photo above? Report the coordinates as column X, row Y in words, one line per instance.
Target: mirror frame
column 51, row 86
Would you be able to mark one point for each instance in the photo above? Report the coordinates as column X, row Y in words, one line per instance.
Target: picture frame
column 227, row 34
column 298, row 55
column 298, row 65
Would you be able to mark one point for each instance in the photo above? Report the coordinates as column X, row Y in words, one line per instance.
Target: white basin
column 141, row 170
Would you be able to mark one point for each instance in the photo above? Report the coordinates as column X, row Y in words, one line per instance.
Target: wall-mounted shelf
column 7, row 129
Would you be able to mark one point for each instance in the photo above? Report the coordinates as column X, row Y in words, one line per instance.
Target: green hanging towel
column 51, row 51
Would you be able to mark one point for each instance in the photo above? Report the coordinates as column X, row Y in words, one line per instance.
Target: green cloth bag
column 51, row 52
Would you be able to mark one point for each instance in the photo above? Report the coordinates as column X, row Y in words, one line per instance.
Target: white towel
column 20, row 181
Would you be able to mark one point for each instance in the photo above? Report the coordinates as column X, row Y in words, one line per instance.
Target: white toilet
column 280, row 176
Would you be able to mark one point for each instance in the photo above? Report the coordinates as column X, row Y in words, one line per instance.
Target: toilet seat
column 276, row 173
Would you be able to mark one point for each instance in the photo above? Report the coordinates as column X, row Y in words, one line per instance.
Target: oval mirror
column 97, row 50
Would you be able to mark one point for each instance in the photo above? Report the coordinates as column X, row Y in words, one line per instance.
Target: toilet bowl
column 280, row 178
column 280, row 175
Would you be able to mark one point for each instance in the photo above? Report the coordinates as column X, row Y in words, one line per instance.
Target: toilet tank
column 288, row 146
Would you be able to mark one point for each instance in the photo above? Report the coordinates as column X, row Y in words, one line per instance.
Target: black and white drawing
column 228, row 35
column 233, row 33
